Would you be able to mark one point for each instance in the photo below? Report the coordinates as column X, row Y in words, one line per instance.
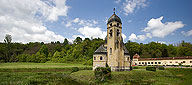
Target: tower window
column 94, row 58
column 101, row 58
column 117, row 24
column 110, row 33
column 118, row 32
column 111, row 24
column 111, row 50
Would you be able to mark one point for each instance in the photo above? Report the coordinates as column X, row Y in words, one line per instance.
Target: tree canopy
column 82, row 50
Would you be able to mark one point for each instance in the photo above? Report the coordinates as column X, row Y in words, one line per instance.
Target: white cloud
column 188, row 33
column 76, row 20
column 162, row 42
column 158, row 29
column 68, row 24
column 117, row 1
column 132, row 37
column 81, row 22
column 23, row 19
column 60, row 9
column 124, row 36
column 92, row 32
column 155, row 28
column 131, row 5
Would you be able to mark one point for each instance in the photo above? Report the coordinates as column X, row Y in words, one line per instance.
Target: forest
column 81, row 51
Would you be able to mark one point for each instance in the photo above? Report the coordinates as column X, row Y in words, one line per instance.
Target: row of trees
column 155, row 49
column 82, row 50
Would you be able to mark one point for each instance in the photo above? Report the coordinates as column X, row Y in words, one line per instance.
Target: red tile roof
column 166, row 58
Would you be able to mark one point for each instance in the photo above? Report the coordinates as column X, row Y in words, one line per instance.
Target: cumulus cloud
column 94, row 32
column 131, row 5
column 117, row 1
column 81, row 22
column 156, row 28
column 23, row 19
column 132, row 37
column 76, row 20
column 188, row 33
column 124, row 36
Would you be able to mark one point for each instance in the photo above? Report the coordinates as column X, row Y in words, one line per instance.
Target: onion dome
column 114, row 17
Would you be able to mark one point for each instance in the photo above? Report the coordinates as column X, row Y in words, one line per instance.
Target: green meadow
column 61, row 74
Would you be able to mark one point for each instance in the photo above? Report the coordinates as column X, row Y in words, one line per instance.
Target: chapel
column 113, row 53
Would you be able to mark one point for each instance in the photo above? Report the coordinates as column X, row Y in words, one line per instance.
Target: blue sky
column 166, row 21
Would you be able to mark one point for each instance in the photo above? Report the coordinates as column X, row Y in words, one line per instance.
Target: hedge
column 151, row 68
column 135, row 67
column 161, row 68
column 75, row 69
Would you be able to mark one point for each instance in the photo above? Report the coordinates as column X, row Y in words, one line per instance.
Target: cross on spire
column 114, row 10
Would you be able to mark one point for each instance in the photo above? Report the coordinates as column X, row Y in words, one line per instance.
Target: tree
column 44, row 50
column 133, row 48
column 8, row 39
column 78, row 40
column 66, row 42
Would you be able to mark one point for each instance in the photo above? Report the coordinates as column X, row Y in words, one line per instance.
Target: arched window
column 94, row 58
column 111, row 24
column 110, row 33
column 118, row 32
column 101, row 58
column 111, row 50
column 117, row 24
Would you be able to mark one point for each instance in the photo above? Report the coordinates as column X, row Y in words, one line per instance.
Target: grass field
column 39, row 65
column 60, row 74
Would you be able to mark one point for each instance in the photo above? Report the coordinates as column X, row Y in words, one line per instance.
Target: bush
column 151, row 68
column 75, row 69
column 102, row 74
column 187, row 65
column 161, row 68
column 135, row 67
column 23, row 57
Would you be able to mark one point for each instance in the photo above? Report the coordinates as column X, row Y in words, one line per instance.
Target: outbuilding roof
column 101, row 50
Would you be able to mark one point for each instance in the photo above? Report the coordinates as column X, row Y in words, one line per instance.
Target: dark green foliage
column 74, row 69
column 135, row 67
column 161, row 68
column 187, row 65
column 151, row 68
column 78, row 40
column 156, row 50
column 23, row 57
column 102, row 74
column 82, row 51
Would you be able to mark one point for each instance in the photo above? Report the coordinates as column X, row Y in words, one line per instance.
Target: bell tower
column 115, row 50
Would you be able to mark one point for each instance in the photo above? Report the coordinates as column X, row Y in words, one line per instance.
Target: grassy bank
column 38, row 73
column 60, row 73
column 170, row 76
column 39, row 65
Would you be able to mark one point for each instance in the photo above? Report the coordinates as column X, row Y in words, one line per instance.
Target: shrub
column 150, row 68
column 75, row 69
column 187, row 65
column 102, row 74
column 135, row 67
column 161, row 68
